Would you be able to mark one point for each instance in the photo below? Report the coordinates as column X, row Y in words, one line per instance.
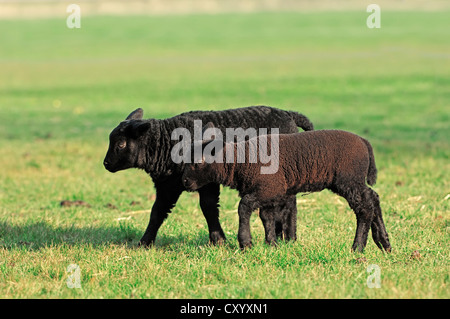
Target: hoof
column 144, row 244
column 217, row 238
column 217, row 242
column 272, row 243
column 358, row 248
column 245, row 246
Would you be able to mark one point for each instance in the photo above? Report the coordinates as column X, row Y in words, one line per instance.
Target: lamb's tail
column 372, row 173
column 301, row 121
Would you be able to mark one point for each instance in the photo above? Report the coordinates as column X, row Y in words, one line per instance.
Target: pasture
column 63, row 90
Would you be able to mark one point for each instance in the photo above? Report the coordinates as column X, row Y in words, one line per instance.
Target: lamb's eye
column 122, row 144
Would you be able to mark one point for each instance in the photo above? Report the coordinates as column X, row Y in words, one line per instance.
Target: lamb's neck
column 225, row 174
column 157, row 150
column 226, row 170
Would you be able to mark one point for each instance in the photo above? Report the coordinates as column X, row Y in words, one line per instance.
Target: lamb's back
column 315, row 158
column 247, row 117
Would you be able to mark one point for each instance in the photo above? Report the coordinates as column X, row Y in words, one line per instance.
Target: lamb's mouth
column 109, row 167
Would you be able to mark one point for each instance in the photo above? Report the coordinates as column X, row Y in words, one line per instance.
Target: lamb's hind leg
column 290, row 220
column 284, row 213
column 360, row 200
column 268, row 220
column 379, row 233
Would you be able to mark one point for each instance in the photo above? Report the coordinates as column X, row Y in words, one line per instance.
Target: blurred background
column 174, row 55
column 48, row 8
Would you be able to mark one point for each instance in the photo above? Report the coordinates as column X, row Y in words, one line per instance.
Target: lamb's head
column 205, row 170
column 197, row 175
column 126, row 149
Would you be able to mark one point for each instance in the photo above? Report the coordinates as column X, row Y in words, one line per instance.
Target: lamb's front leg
column 246, row 206
column 167, row 195
column 209, row 203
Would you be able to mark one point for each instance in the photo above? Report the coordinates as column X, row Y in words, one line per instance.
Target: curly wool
column 158, row 143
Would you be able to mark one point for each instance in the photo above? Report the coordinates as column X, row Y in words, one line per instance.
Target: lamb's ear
column 140, row 128
column 136, row 114
column 207, row 126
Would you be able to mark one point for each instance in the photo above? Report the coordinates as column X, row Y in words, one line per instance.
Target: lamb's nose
column 105, row 163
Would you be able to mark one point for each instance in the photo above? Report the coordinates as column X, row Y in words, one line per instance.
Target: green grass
column 62, row 91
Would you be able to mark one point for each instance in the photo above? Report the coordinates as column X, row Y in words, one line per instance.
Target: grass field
column 62, row 91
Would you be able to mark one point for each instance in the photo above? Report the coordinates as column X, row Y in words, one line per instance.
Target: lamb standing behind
column 308, row 162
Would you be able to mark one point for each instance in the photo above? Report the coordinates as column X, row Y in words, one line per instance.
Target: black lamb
column 147, row 145
column 307, row 162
